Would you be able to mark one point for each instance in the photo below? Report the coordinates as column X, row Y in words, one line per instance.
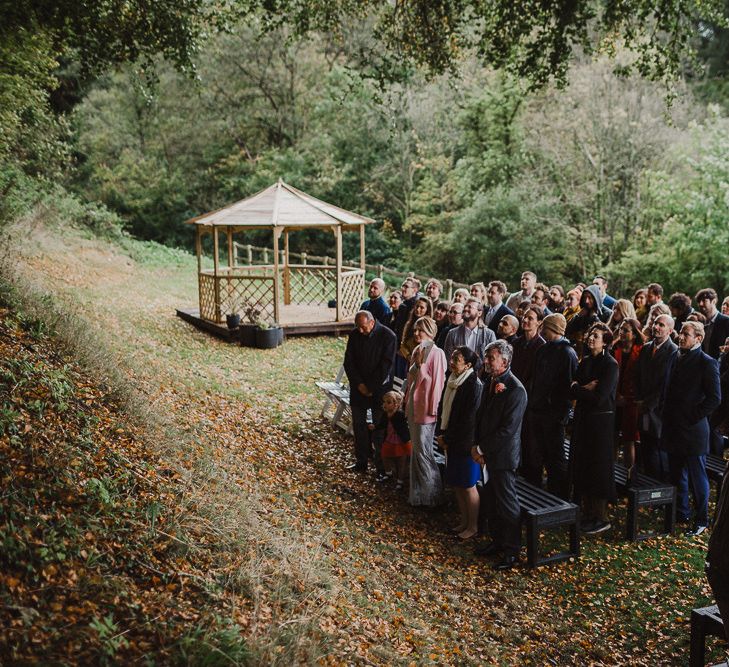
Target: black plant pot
column 233, row 321
column 267, row 339
column 247, row 335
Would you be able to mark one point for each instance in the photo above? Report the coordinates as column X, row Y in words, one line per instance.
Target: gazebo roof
column 281, row 205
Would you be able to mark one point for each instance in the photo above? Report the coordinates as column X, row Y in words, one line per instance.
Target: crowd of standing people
column 496, row 381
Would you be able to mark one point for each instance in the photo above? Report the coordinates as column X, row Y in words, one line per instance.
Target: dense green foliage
column 472, row 173
column 472, row 178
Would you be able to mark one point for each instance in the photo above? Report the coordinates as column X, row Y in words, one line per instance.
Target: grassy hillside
column 295, row 559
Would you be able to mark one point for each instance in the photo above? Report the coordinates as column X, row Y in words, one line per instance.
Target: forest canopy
column 480, row 135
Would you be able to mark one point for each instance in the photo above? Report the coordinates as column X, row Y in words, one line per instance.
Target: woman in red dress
column 626, row 353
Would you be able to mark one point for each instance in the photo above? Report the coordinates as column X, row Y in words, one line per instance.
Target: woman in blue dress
column 455, row 432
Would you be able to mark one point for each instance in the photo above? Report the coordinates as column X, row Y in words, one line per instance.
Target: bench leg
column 697, row 655
column 631, row 523
column 338, row 413
column 532, row 542
column 669, row 516
column 575, row 537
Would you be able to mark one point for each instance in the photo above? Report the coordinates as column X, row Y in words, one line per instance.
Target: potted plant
column 268, row 335
column 252, row 312
column 232, row 317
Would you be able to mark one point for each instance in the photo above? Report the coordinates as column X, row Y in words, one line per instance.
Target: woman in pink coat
column 426, row 376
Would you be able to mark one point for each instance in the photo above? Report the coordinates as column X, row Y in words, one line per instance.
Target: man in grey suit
column 498, row 447
column 654, row 367
column 473, row 333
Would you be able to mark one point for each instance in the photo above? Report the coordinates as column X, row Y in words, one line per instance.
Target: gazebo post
column 198, row 248
column 231, row 254
column 287, row 270
column 362, row 247
column 198, row 252
column 276, row 234
column 216, row 266
column 338, row 233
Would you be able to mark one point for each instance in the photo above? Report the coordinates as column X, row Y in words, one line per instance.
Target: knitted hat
column 555, row 322
column 428, row 325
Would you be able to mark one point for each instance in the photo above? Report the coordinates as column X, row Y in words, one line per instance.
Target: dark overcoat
column 717, row 335
column 692, row 394
column 368, row 360
column 498, row 422
column 460, row 434
column 591, row 449
column 651, row 375
column 500, row 313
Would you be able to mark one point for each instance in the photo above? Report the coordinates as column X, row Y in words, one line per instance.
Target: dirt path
column 382, row 583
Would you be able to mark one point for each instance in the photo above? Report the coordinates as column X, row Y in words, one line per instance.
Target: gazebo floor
column 296, row 320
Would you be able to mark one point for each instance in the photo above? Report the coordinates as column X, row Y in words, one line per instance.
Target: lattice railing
column 312, row 285
column 353, row 283
column 208, row 303
column 236, row 294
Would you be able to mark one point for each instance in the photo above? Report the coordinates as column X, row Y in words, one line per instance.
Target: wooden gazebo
column 280, row 292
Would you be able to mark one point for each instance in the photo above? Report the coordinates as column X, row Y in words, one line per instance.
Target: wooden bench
column 705, row 621
column 642, row 491
column 332, row 393
column 715, row 468
column 336, row 400
column 541, row 510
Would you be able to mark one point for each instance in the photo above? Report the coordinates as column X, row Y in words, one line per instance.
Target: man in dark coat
column 717, row 325
column 692, row 394
column 376, row 303
column 655, row 365
column 498, row 446
column 602, row 284
column 496, row 308
column 717, row 331
column 367, row 363
column 409, row 290
column 549, row 405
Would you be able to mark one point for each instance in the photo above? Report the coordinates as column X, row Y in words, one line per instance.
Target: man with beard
column 496, row 308
column 473, row 333
column 376, row 304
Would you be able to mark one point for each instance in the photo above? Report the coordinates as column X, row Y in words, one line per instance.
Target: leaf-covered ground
column 367, row 579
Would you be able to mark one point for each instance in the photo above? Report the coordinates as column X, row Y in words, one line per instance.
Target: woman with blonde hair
column 425, row 380
column 571, row 304
column 622, row 310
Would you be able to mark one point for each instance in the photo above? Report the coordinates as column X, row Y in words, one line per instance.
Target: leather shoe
column 506, row 563
column 356, row 467
column 490, row 549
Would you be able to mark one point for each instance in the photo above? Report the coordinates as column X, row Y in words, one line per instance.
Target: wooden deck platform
column 295, row 321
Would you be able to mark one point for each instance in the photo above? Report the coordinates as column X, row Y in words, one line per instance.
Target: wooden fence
column 246, row 254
